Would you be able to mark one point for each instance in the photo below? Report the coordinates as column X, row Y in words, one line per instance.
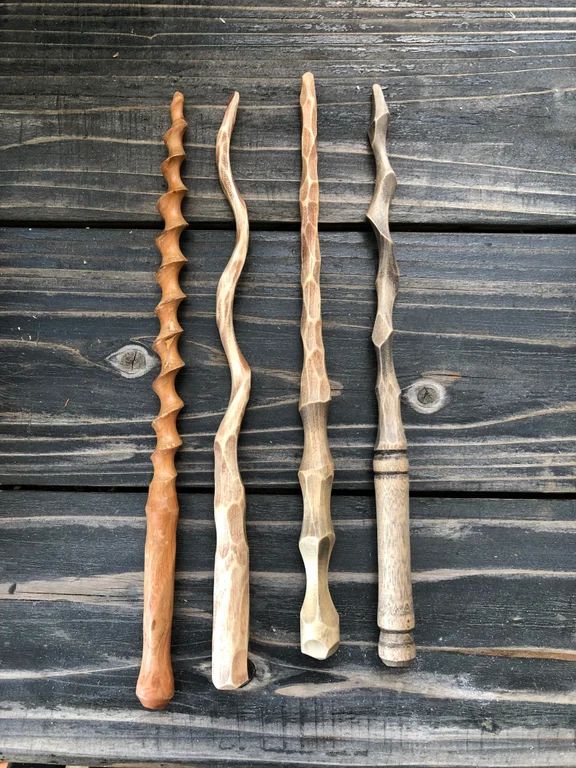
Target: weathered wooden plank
column 494, row 601
column 454, row 555
column 485, row 320
column 481, row 100
column 442, row 713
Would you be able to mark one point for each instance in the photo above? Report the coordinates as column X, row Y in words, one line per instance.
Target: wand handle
column 319, row 622
column 231, row 575
column 395, row 609
column 155, row 685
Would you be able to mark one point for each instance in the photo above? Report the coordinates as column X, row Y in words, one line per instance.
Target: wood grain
column 395, row 609
column 231, row 611
column 481, row 99
column 155, row 685
column 319, row 627
column 488, row 318
column 493, row 589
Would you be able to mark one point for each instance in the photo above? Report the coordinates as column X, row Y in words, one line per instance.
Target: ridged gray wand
column 396, row 646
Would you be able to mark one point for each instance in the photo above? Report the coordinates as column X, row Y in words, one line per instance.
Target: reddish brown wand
column 155, row 685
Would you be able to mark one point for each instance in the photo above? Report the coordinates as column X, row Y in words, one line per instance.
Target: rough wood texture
column 482, row 98
column 494, row 587
column 156, row 683
column 319, row 626
column 231, row 586
column 395, row 610
column 487, row 318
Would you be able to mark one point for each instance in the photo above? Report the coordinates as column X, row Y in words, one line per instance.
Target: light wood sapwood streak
column 231, row 576
column 319, row 622
column 395, row 609
column 155, row 685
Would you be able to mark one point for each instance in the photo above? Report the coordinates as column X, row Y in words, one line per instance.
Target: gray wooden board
column 482, row 105
column 487, row 317
column 481, row 97
column 493, row 683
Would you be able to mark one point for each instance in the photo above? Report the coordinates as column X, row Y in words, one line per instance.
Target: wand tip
column 234, row 97
column 380, row 107
column 177, row 106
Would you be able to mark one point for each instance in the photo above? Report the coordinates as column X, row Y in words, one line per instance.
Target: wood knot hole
column 426, row 396
column 132, row 361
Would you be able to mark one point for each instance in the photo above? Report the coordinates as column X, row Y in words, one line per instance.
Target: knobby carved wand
column 155, row 685
column 319, row 623
column 231, row 576
column 395, row 609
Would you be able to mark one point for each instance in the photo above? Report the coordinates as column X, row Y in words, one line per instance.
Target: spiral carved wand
column 155, row 685
column 319, row 623
column 231, row 575
column 395, row 610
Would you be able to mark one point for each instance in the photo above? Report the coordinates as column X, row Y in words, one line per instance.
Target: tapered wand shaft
column 319, row 623
column 231, row 585
column 155, row 685
column 395, row 609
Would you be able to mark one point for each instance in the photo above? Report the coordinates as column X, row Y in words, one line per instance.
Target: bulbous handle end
column 320, row 638
column 155, row 688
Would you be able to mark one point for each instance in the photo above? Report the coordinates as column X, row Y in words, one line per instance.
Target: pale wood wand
column 231, row 576
column 395, row 609
column 155, row 685
column 319, row 622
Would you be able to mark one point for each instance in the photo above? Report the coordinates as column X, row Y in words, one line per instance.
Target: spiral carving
column 231, row 574
column 319, row 622
column 155, row 685
column 395, row 609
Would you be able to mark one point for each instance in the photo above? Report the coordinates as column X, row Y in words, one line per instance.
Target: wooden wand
column 231, row 577
column 395, row 610
column 319, row 623
column 155, row 685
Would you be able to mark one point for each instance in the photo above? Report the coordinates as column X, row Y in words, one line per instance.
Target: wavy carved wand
column 231, row 576
column 155, row 685
column 319, row 623
column 395, row 610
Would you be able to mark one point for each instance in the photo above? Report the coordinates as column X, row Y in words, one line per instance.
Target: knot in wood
column 426, row 396
column 132, row 361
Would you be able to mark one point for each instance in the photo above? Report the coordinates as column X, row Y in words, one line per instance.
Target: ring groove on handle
column 395, row 609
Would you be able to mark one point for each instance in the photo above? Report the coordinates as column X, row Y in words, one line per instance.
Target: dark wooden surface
column 494, row 603
column 481, row 97
column 488, row 318
column 481, row 138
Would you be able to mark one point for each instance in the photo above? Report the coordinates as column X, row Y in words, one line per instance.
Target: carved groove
column 319, row 622
column 155, row 685
column 231, row 575
column 395, row 609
